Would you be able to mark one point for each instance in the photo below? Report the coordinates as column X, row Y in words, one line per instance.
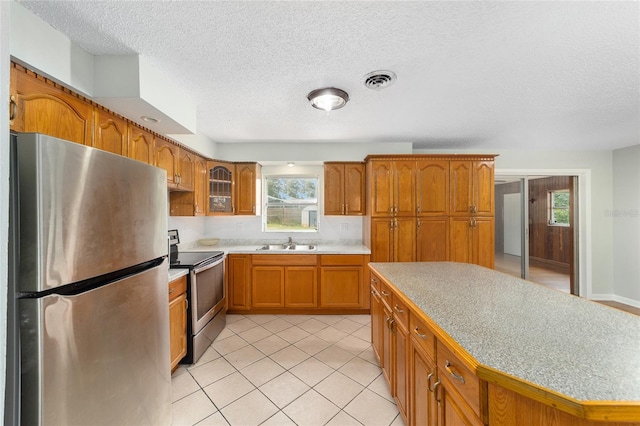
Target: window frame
column 266, row 204
column 552, row 208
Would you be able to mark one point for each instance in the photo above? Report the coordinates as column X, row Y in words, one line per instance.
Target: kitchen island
column 536, row 354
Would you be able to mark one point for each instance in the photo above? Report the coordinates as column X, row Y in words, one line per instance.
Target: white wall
column 625, row 214
column 307, row 151
column 4, row 188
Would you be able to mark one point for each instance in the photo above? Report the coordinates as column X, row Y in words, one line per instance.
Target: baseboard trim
column 616, row 298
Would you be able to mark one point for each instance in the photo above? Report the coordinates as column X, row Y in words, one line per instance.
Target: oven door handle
column 207, row 266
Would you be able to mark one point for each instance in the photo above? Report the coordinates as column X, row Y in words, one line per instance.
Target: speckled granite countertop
column 577, row 348
column 251, row 247
column 177, row 273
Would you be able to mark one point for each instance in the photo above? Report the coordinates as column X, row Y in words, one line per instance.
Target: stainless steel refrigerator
column 88, row 342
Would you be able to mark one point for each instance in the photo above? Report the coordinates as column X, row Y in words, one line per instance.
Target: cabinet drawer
column 177, row 287
column 284, row 259
column 422, row 336
column 454, row 371
column 387, row 295
column 341, row 259
column 400, row 311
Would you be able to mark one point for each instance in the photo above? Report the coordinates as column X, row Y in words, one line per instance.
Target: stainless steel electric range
column 206, row 308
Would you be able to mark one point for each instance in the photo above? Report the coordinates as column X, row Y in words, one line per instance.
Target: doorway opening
column 536, row 230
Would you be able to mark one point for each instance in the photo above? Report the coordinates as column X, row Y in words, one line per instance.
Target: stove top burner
column 191, row 259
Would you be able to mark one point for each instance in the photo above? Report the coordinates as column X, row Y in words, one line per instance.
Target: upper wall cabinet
column 344, row 188
column 248, row 178
column 141, row 145
column 472, row 189
column 179, row 164
column 221, row 188
column 36, row 105
column 192, row 203
column 432, row 187
column 392, row 186
column 110, row 133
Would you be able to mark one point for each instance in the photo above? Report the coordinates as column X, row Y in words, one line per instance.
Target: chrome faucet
column 290, row 243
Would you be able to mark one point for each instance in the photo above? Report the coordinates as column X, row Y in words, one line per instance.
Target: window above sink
column 291, row 204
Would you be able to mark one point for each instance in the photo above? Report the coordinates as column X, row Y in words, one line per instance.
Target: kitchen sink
column 302, row 247
column 274, row 247
column 292, row 247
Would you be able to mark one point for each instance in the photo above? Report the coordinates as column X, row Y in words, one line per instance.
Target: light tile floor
column 279, row 370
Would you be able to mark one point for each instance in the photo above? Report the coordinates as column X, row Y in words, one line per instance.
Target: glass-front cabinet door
column 221, row 188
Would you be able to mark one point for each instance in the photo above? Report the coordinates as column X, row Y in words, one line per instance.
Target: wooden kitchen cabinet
column 191, row 203
column 39, row 105
column 221, row 188
column 344, row 188
column 178, row 320
column 400, row 363
column 167, row 157
column 239, row 282
column 284, row 281
column 186, row 170
column 472, row 188
column 393, row 239
column 472, row 240
column 247, row 197
column 423, row 375
column 392, row 187
column 342, row 283
column 111, row 133
column 141, row 145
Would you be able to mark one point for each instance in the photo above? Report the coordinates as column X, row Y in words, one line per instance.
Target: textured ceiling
column 480, row 75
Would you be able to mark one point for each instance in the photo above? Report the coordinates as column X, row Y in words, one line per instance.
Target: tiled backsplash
column 331, row 228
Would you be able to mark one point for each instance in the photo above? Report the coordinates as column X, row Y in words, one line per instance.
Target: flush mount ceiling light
column 328, row 98
column 149, row 119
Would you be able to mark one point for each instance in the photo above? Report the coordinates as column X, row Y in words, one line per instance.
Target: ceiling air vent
column 377, row 80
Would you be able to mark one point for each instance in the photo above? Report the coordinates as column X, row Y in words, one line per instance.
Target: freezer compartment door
column 98, row 358
column 84, row 212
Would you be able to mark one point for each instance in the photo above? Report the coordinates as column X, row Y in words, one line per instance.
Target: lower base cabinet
column 424, row 409
column 178, row 320
column 297, row 283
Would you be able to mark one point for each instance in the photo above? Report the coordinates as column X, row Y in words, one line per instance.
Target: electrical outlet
column 344, row 226
column 239, row 227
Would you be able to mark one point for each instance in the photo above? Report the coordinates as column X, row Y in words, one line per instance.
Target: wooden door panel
column 141, row 145
column 341, row 287
column 460, row 240
column 460, row 180
column 200, row 187
column 43, row 108
column 238, row 284
column 354, row 185
column 246, row 175
column 422, row 404
column 178, row 329
column 404, row 194
column 267, row 287
column 483, row 188
column 432, row 239
column 186, row 170
column 401, row 371
column 381, row 240
column 333, row 189
column 166, row 157
column 301, row 287
column 381, row 188
column 110, row 133
column 404, row 236
column 377, row 323
column 432, row 187
column 483, row 242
